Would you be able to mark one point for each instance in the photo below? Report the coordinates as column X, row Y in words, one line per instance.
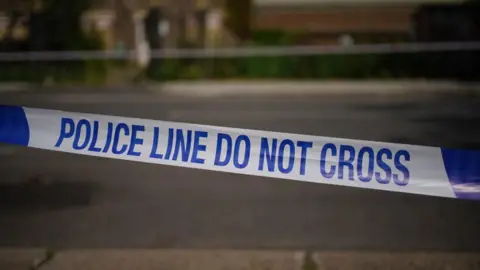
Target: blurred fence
column 410, row 60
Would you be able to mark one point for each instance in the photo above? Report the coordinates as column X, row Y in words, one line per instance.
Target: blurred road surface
column 86, row 202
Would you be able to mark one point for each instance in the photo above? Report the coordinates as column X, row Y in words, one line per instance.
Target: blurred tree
column 238, row 18
column 63, row 20
column 124, row 24
column 152, row 32
column 55, row 25
column 448, row 23
column 14, row 11
column 152, row 21
column 8, row 42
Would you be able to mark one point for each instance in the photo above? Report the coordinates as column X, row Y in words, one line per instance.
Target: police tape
column 402, row 168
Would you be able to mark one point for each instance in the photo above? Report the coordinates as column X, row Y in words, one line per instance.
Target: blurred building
column 340, row 21
column 121, row 24
column 128, row 24
column 125, row 19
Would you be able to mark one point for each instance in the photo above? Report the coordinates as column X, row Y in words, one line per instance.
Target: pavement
column 127, row 259
column 14, row 87
column 217, row 88
column 77, row 203
column 21, row 259
column 256, row 88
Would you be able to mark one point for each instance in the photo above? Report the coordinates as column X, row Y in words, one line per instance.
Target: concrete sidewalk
column 229, row 88
column 14, row 87
column 124, row 259
column 261, row 87
column 21, row 259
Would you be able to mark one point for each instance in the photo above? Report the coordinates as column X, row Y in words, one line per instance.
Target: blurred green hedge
column 454, row 65
column 439, row 65
column 63, row 72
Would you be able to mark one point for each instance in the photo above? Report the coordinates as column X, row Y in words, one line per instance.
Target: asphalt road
column 86, row 202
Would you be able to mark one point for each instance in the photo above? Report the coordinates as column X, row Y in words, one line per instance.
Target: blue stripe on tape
column 14, row 125
column 463, row 170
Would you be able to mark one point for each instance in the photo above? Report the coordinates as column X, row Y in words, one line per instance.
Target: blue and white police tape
column 363, row 164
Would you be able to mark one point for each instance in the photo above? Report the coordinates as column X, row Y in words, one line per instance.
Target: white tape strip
column 363, row 164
